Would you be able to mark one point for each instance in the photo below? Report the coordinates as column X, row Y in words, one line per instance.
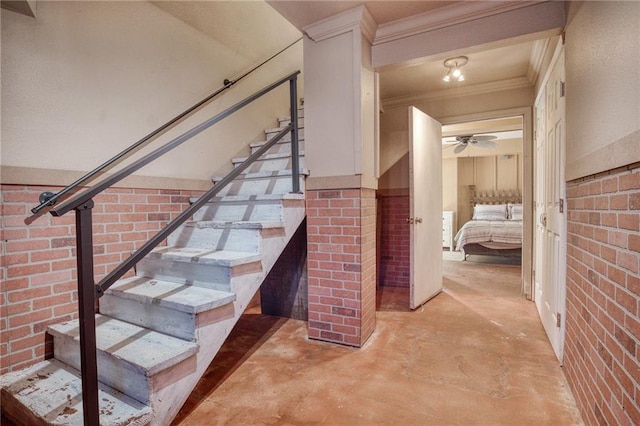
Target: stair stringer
column 215, row 326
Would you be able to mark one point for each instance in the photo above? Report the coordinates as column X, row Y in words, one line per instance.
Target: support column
column 341, row 154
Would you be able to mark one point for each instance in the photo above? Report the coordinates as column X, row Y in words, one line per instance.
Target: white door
column 550, row 247
column 425, row 207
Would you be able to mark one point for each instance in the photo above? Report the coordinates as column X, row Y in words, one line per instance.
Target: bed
column 496, row 225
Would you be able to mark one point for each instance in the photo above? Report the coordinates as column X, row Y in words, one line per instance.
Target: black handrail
column 89, row 193
column 122, row 269
column 83, row 204
column 50, row 198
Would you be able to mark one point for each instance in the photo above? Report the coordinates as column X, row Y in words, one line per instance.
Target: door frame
column 527, row 182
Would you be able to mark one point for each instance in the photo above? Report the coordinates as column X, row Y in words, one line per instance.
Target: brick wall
column 341, row 265
column 394, row 244
column 602, row 344
column 38, row 260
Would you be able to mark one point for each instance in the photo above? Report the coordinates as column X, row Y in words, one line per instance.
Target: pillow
column 515, row 211
column 490, row 212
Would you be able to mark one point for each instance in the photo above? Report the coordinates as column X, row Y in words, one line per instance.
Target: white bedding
column 486, row 231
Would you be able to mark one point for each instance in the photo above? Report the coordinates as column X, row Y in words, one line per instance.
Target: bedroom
column 482, row 165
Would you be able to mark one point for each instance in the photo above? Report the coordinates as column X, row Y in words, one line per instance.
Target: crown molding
column 538, row 52
column 476, row 89
column 357, row 18
column 443, row 17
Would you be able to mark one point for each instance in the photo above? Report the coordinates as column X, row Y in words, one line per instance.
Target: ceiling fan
column 481, row 141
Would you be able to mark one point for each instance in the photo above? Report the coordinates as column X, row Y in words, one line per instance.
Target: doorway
column 496, row 173
column 482, row 163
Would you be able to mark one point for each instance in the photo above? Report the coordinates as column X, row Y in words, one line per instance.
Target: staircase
column 158, row 332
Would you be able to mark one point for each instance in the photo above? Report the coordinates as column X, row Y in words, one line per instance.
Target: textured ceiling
column 486, row 66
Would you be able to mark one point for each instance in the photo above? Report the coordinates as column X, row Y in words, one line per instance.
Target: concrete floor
column 474, row 355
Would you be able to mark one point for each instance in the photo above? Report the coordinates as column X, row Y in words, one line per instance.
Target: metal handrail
column 50, row 198
column 83, row 204
column 89, row 193
column 122, row 269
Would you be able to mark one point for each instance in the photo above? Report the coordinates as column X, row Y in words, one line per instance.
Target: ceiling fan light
column 456, row 72
column 461, row 77
column 446, row 78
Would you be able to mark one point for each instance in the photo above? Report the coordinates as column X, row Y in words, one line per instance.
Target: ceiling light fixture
column 454, row 65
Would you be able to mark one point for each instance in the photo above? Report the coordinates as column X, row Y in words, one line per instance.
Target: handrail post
column 295, row 154
column 87, row 314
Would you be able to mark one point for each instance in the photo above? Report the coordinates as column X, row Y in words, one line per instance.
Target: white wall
column 86, row 79
column 603, row 86
column 330, row 126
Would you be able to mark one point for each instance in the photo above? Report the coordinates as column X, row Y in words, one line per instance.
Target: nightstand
column 447, row 229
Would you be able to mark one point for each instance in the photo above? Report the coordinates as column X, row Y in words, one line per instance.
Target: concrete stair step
column 263, row 182
column 288, row 118
column 51, row 392
column 162, row 306
column 282, row 147
column 270, row 133
column 265, row 207
column 131, row 359
column 222, row 236
column 269, row 162
column 284, row 121
column 201, row 267
column 264, row 175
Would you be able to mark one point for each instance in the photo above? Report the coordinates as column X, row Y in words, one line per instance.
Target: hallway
column 474, row 355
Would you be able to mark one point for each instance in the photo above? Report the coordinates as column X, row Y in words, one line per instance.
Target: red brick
column 63, row 242
column 627, row 300
column 26, row 342
column 610, row 219
column 51, row 231
column 66, row 309
column 13, row 234
column 24, row 270
column 50, row 278
column 29, row 317
column 118, row 208
column 39, row 256
column 330, row 336
column 634, row 201
column 629, row 181
column 618, row 239
column 14, row 259
column 619, row 202
column 26, row 245
column 629, row 261
column 14, row 284
column 629, row 221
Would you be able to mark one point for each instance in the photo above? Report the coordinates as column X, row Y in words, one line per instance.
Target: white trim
column 545, row 78
column 357, row 18
column 476, row 89
column 356, row 40
column 538, row 52
column 443, row 17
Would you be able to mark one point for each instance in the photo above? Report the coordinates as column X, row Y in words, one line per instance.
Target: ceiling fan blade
column 460, row 148
column 482, row 138
column 445, row 146
column 486, row 144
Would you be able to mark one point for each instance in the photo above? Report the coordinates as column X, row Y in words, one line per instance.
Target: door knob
column 410, row 220
column 418, row 220
column 543, row 219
